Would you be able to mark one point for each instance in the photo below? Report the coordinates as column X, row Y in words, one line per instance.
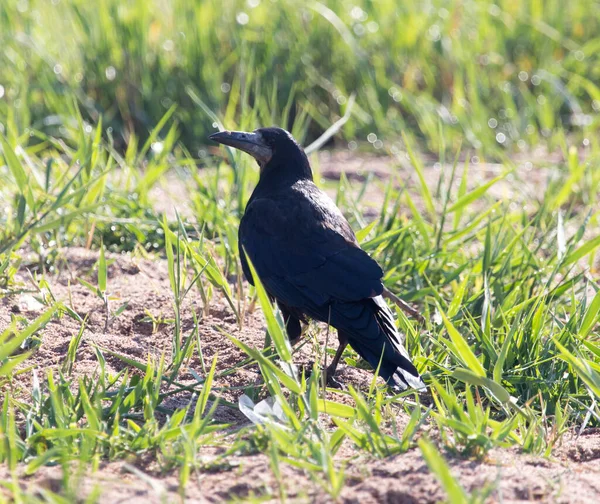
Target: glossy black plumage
column 309, row 260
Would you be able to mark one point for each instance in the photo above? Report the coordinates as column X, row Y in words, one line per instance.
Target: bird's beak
column 252, row 143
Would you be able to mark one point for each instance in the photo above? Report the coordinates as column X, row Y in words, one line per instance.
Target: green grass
column 517, row 72
column 510, row 348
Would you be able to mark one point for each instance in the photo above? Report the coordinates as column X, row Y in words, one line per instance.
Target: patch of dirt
column 520, row 187
column 511, row 478
column 144, row 285
column 572, row 475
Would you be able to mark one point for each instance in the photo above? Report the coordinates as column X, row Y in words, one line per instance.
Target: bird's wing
column 305, row 253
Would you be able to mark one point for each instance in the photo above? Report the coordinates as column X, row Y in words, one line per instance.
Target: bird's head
column 273, row 148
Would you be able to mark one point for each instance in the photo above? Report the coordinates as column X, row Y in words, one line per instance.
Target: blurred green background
column 495, row 75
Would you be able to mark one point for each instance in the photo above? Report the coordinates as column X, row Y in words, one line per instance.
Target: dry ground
column 571, row 474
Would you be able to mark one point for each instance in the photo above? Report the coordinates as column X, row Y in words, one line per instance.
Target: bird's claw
column 329, row 376
column 333, row 382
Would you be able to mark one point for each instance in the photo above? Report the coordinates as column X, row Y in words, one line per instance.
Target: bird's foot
column 328, row 374
column 307, row 369
column 331, row 380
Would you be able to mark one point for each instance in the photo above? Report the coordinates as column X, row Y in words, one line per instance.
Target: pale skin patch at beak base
column 251, row 143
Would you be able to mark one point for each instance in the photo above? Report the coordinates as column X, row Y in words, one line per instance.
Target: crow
column 309, row 260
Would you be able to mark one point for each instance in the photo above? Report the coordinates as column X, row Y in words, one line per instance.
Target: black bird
column 308, row 259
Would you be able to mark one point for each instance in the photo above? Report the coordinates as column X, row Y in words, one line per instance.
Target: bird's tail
column 370, row 329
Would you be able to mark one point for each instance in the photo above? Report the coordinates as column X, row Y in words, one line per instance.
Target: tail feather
column 370, row 329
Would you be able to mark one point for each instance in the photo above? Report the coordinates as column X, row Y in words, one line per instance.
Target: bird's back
column 297, row 229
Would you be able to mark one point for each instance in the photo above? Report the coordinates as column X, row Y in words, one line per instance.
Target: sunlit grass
column 505, row 74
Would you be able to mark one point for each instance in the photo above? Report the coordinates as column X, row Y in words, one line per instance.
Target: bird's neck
column 286, row 172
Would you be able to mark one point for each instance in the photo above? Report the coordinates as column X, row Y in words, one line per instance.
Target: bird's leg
column 292, row 324
column 330, row 371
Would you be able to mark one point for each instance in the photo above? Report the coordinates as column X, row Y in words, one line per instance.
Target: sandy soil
column 400, row 479
column 572, row 474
